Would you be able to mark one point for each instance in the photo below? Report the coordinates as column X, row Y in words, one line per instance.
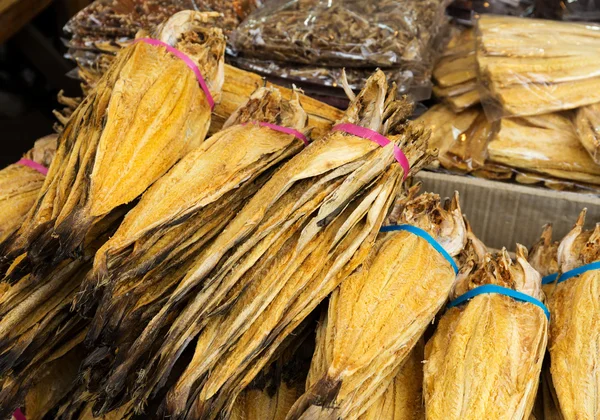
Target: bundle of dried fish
column 402, row 400
column 146, row 112
column 20, row 184
column 379, row 313
column 573, row 331
column 546, row 144
column 461, row 138
column 149, row 254
column 343, row 32
column 533, row 67
column 587, row 123
column 467, row 374
column 273, row 392
column 308, row 227
column 455, row 75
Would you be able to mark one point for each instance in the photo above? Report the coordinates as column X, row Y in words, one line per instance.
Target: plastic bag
column 582, row 10
column 533, row 67
column 342, row 33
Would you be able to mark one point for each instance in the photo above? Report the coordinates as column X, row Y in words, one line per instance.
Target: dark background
column 32, row 71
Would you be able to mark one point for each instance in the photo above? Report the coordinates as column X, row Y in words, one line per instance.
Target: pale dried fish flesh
column 587, row 123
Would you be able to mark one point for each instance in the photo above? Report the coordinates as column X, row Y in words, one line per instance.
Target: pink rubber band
column 374, row 136
column 281, row 129
column 18, row 415
column 188, row 62
column 34, row 165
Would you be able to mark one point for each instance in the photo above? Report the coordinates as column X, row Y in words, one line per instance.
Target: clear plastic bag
column 342, row 33
column 531, row 67
column 577, row 10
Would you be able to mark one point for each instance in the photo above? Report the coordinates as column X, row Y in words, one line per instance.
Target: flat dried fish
column 378, row 314
column 255, row 283
column 467, row 374
column 129, row 131
column 546, row 144
column 587, row 123
column 557, row 69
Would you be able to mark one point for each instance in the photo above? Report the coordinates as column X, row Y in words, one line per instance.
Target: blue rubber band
column 571, row 273
column 423, row 234
column 492, row 288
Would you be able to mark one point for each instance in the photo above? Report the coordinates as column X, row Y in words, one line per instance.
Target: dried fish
column 20, row 185
column 129, row 131
column 546, row 144
column 467, row 374
column 252, row 286
column 587, row 123
column 533, row 67
column 378, row 314
column 573, row 331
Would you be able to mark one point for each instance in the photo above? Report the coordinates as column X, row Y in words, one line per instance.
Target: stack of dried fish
column 467, row 374
column 316, row 38
column 587, row 123
column 544, row 144
column 145, row 113
column 455, row 75
column 21, row 183
column 378, row 314
column 574, row 328
column 312, row 223
column 151, row 252
column 533, row 67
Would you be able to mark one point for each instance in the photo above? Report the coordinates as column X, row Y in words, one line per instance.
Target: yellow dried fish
column 251, row 287
column 546, row 144
column 533, row 67
column 468, row 375
column 20, row 185
column 379, row 313
column 587, row 123
column 573, row 331
column 146, row 112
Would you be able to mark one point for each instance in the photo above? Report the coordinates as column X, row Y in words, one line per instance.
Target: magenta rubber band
column 374, row 136
column 34, row 165
column 18, row 414
column 188, row 62
column 281, row 129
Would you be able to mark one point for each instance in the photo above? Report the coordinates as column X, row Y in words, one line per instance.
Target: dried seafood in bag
column 455, row 74
column 148, row 255
column 573, row 331
column 378, row 314
column 20, row 184
column 252, row 286
column 532, row 67
column 340, row 33
column 468, row 375
column 587, row 123
column 546, row 144
column 461, row 138
column 146, row 112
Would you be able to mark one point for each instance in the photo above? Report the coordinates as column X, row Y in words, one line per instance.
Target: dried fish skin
column 587, row 123
column 573, row 331
column 380, row 311
column 127, row 133
column 467, row 375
